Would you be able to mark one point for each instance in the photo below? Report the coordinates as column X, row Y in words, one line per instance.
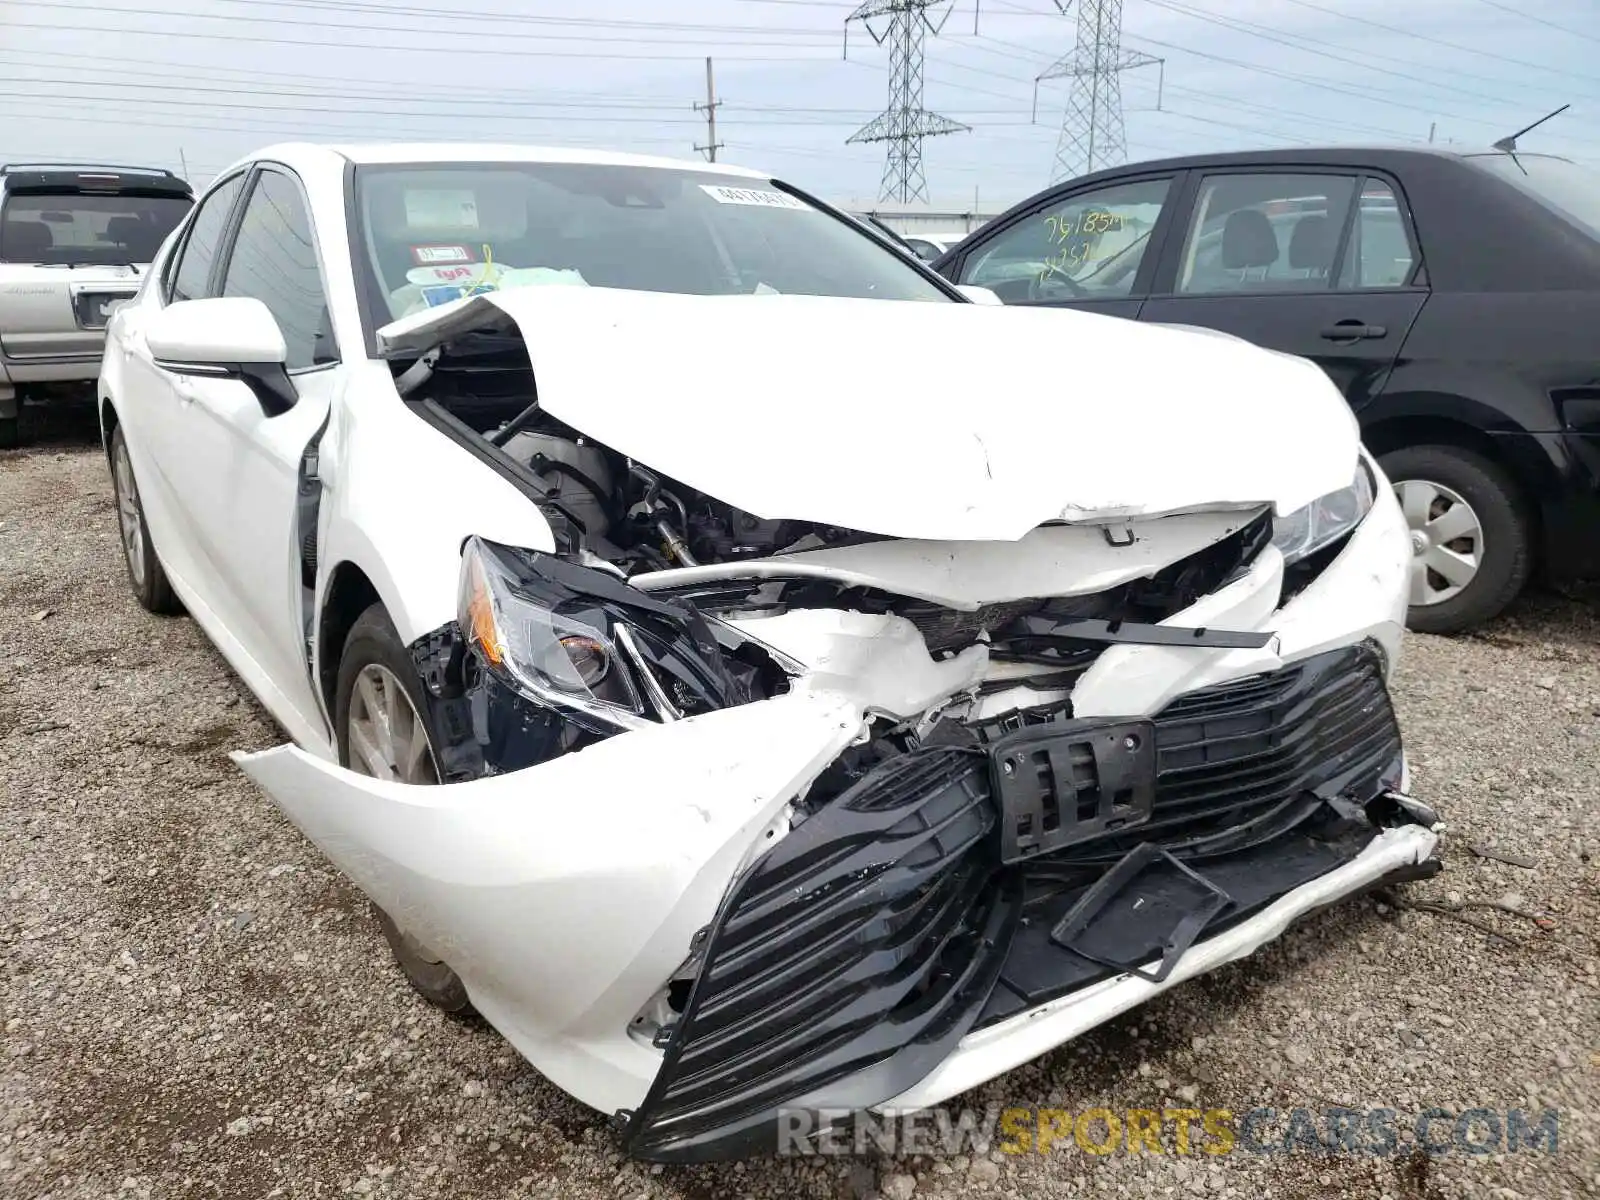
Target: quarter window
column 275, row 261
column 191, row 280
column 1380, row 254
column 1084, row 246
column 1265, row 233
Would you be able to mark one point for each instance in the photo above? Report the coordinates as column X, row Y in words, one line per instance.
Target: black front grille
column 843, row 966
column 1241, row 747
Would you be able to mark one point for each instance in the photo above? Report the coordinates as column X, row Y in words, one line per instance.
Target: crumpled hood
column 920, row 420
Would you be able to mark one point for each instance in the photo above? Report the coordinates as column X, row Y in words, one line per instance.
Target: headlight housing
column 588, row 644
column 569, row 659
column 1300, row 534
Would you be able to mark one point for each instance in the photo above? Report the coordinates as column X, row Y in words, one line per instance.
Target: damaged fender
column 564, row 894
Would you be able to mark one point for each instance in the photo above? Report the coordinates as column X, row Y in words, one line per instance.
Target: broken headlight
column 1316, row 526
column 569, row 659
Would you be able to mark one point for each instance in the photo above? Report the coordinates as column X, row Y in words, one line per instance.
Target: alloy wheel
column 1446, row 541
column 129, row 519
column 387, row 738
column 389, row 741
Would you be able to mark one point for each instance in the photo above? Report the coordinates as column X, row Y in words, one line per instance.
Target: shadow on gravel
column 51, row 428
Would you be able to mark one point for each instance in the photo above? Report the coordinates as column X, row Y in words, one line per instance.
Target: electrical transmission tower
column 1092, row 133
column 905, row 122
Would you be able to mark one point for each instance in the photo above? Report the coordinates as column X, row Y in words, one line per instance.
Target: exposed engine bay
column 996, row 668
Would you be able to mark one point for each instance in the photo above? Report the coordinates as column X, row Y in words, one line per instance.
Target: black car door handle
column 1350, row 331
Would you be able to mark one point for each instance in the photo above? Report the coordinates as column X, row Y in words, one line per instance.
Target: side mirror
column 978, row 295
column 229, row 337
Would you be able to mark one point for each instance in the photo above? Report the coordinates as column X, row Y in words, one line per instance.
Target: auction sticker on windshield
column 433, row 256
column 758, row 197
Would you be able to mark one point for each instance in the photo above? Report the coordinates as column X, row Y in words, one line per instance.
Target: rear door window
column 1380, row 253
column 68, row 227
column 1264, row 233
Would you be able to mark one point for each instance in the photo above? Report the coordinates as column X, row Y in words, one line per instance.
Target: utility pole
column 184, row 160
column 1433, row 127
column 710, row 109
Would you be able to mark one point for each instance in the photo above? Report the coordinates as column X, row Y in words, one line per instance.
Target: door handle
column 1353, row 331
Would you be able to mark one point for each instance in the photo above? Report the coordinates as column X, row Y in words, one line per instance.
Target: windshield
column 59, row 228
column 1570, row 189
column 429, row 234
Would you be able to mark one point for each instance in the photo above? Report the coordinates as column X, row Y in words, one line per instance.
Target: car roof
column 1305, row 156
column 323, row 156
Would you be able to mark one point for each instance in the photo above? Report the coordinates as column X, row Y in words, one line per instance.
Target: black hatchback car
column 1455, row 298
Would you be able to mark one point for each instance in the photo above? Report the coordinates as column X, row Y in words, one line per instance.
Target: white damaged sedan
column 744, row 713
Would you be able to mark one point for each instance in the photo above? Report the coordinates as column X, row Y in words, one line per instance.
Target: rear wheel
column 1471, row 536
column 145, row 574
column 383, row 733
column 10, row 417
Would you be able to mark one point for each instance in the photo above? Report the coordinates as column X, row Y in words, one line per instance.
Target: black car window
column 1084, row 245
column 191, row 277
column 275, row 261
column 67, row 226
column 1264, row 233
column 1379, row 254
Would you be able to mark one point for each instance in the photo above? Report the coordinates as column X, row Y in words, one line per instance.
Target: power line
column 1422, row 37
column 1293, row 41
column 256, row 39
column 219, row 74
column 1527, row 16
column 433, row 14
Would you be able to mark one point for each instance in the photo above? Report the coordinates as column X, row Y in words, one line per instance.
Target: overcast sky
column 207, row 81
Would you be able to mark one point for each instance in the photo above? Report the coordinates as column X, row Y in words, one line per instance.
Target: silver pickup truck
column 75, row 241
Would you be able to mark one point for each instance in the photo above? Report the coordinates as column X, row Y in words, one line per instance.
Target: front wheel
column 383, row 733
column 145, row 573
column 1471, row 536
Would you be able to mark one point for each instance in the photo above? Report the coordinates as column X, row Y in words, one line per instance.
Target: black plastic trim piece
column 1143, row 857
column 1069, row 781
column 1138, row 633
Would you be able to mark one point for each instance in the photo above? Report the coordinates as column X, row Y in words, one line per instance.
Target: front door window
column 1084, row 246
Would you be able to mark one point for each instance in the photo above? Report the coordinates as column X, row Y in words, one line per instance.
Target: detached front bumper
column 883, row 956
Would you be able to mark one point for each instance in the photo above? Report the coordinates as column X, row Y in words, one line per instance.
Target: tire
column 145, row 573
column 1502, row 545
column 373, row 662
column 10, row 432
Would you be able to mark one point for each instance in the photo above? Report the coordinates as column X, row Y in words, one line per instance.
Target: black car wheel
column 1471, row 537
column 383, row 732
column 145, row 573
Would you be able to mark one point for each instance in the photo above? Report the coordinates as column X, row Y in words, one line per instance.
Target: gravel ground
column 195, row 1004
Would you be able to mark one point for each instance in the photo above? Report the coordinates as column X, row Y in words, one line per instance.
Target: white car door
column 239, row 470
column 155, row 404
